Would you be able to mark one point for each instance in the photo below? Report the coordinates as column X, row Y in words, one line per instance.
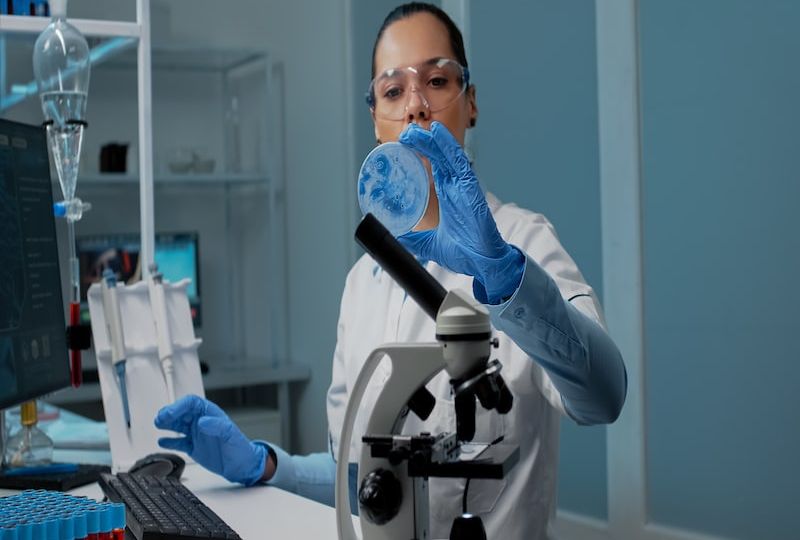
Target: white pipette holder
column 146, row 385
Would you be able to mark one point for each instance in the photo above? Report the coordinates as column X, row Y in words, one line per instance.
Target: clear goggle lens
column 438, row 82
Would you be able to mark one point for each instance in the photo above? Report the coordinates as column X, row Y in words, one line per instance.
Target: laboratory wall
column 315, row 163
column 535, row 144
column 720, row 148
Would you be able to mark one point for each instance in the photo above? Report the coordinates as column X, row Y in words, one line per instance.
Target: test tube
column 79, row 516
column 118, row 521
column 66, row 527
column 38, row 531
column 92, row 522
column 8, row 532
column 25, row 530
column 51, row 527
column 105, row 532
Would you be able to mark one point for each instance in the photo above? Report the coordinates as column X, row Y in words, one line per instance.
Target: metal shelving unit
column 217, row 178
column 137, row 32
column 127, row 46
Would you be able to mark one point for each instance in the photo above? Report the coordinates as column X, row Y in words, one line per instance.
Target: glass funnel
column 61, row 67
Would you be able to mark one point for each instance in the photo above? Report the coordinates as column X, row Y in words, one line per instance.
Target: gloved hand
column 212, row 439
column 466, row 240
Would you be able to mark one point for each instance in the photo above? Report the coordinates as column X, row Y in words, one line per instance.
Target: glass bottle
column 233, row 141
column 30, row 446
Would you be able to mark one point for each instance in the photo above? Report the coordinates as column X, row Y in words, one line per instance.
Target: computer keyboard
column 160, row 508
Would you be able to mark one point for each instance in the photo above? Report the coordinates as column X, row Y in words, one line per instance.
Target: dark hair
column 406, row 10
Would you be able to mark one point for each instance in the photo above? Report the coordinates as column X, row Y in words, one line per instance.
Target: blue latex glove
column 466, row 241
column 212, row 439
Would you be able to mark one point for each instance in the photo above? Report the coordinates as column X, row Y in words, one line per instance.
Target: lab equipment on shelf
column 61, row 65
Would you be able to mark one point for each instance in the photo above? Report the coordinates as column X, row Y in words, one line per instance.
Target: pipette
column 115, row 336
column 158, row 304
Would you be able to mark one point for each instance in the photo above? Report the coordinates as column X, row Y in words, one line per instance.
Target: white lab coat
column 375, row 310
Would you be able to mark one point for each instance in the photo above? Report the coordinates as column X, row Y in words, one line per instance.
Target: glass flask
column 30, row 446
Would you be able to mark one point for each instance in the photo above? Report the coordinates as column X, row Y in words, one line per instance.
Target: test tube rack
column 51, row 515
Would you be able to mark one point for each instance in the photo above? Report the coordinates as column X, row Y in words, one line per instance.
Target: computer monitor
column 176, row 255
column 33, row 346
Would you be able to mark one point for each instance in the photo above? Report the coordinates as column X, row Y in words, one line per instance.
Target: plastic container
column 393, row 186
column 46, row 515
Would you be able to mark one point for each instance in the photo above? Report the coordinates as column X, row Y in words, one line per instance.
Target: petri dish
column 393, row 186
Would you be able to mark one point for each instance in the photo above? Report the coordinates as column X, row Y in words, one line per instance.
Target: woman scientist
column 557, row 358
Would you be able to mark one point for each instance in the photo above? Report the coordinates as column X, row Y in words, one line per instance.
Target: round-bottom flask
column 29, row 446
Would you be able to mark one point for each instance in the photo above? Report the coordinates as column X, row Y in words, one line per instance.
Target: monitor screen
column 33, row 344
column 176, row 255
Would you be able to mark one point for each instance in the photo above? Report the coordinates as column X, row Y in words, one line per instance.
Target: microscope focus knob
column 380, row 496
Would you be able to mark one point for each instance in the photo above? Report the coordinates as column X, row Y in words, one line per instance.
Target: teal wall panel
column 720, row 87
column 534, row 67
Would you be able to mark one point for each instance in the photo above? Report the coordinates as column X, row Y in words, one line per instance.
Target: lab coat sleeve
column 580, row 358
column 312, row 476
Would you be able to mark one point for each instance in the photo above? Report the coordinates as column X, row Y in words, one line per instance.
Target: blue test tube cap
column 93, row 519
column 39, row 530
column 118, row 516
column 105, row 519
column 8, row 532
column 59, row 209
column 51, row 528
column 80, row 518
column 25, row 531
column 66, row 527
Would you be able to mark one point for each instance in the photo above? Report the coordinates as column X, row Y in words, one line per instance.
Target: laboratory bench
column 255, row 513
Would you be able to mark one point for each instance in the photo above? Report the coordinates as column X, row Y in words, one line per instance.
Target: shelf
column 230, row 377
column 20, row 24
column 234, row 376
column 215, row 178
column 189, row 58
column 98, row 54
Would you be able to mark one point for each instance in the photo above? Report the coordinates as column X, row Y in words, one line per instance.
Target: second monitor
column 176, row 255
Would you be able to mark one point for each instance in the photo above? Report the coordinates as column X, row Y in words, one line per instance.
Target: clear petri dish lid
column 393, row 186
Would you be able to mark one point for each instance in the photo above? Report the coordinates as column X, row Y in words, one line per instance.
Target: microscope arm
column 413, row 365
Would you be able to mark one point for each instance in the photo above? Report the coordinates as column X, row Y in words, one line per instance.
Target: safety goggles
column 438, row 83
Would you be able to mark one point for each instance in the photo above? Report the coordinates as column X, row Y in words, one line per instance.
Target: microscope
column 393, row 469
